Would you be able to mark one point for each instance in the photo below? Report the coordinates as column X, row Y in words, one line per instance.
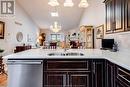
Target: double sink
column 66, row 54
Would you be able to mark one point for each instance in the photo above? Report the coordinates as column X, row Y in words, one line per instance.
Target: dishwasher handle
column 24, row 62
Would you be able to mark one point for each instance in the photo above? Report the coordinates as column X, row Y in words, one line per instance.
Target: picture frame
column 2, row 29
column 100, row 32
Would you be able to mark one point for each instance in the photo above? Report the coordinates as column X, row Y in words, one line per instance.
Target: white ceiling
column 39, row 11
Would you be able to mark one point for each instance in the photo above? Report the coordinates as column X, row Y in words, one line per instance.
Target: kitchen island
column 96, row 68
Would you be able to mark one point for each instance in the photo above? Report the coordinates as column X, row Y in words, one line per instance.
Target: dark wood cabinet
column 54, row 79
column 122, row 77
column 120, row 84
column 127, row 15
column 110, row 74
column 67, row 73
column 118, row 15
column 84, row 73
column 115, row 16
column 79, row 80
column 99, row 73
column 109, row 16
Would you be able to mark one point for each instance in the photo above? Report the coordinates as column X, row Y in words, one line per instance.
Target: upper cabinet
column 109, row 16
column 127, row 14
column 117, row 15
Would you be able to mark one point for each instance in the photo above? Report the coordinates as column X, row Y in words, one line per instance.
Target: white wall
column 28, row 27
column 49, row 32
column 95, row 15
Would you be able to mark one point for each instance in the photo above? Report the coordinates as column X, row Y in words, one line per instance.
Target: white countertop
column 121, row 58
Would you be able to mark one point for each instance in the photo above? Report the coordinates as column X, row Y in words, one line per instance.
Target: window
column 55, row 37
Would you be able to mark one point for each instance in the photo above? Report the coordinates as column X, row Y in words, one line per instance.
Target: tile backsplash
column 123, row 39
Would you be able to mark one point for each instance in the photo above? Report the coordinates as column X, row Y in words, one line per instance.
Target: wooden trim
column 2, row 36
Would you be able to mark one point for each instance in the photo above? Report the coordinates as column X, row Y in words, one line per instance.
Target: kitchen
column 44, row 45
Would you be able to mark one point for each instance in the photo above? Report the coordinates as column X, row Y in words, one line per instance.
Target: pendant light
column 68, row 3
column 53, row 3
column 83, row 4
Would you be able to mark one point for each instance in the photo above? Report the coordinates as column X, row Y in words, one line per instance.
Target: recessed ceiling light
column 54, row 14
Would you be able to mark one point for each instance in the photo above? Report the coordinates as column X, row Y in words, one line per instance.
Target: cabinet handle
column 94, row 68
column 64, row 80
column 124, row 78
column 24, row 62
column 68, row 80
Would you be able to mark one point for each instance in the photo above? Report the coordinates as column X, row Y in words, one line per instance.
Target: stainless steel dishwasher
column 25, row 73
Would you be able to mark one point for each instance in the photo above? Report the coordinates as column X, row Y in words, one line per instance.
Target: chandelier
column 53, row 3
column 55, row 28
column 69, row 3
column 83, row 4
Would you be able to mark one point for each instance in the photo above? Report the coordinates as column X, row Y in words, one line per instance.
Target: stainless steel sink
column 66, row 54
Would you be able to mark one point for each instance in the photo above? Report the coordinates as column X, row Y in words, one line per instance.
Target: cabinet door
column 120, row 84
column 79, row 80
column 99, row 73
column 122, row 77
column 110, row 74
column 127, row 14
column 55, row 80
column 119, row 15
column 109, row 16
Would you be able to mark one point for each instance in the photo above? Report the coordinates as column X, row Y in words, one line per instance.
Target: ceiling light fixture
column 53, row 3
column 68, row 3
column 55, row 28
column 54, row 14
column 83, row 4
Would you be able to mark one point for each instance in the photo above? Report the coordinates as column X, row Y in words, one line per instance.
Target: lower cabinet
column 54, row 79
column 122, row 77
column 84, row 73
column 67, row 80
column 120, row 84
column 63, row 73
column 98, row 73
column 110, row 74
column 79, row 80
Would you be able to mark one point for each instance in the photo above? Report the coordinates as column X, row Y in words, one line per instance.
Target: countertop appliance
column 107, row 43
column 25, row 73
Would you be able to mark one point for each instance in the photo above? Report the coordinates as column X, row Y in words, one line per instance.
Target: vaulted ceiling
column 39, row 11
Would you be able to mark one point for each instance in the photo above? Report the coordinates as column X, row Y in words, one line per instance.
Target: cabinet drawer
column 67, row 65
column 123, row 75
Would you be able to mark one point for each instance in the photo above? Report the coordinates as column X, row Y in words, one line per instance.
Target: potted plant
column 1, row 51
